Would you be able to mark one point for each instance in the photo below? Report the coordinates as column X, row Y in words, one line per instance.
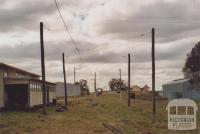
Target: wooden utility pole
column 43, row 68
column 74, row 75
column 120, row 74
column 153, row 74
column 129, row 79
column 95, row 84
column 120, row 79
column 64, row 75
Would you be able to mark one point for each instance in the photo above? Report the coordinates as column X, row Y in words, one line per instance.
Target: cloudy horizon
column 105, row 32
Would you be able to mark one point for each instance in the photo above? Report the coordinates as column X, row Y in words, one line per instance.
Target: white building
column 72, row 89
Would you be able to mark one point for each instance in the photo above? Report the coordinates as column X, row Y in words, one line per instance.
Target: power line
column 73, row 42
column 66, row 27
column 109, row 46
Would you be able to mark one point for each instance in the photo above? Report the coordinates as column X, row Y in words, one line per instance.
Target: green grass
column 86, row 115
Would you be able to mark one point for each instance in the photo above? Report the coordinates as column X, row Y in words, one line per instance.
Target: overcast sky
column 105, row 32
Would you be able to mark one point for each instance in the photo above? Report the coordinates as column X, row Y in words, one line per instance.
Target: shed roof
column 136, row 86
column 177, row 81
column 18, row 79
column 146, row 86
column 8, row 67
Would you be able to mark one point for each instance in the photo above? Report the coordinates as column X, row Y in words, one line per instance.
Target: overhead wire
column 67, row 29
column 92, row 51
column 73, row 41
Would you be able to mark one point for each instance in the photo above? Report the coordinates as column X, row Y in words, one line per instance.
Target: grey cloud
column 91, row 54
column 2, row 2
column 164, row 52
column 25, row 15
column 53, row 50
column 171, row 19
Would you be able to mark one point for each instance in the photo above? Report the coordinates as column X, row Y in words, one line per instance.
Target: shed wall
column 35, row 98
column 185, row 89
column 36, row 94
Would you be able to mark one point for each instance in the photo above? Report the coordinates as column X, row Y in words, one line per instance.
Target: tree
column 84, row 86
column 117, row 84
column 191, row 68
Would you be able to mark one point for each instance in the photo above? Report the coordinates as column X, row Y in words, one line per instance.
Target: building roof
column 177, row 81
column 66, row 83
column 47, row 82
column 146, row 86
column 18, row 79
column 8, row 67
column 136, row 86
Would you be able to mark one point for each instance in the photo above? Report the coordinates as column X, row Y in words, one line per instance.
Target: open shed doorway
column 17, row 96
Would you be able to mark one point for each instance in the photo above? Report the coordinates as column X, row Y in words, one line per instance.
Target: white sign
column 182, row 114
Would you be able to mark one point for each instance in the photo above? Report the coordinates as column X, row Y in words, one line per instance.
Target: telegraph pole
column 74, row 75
column 153, row 74
column 64, row 75
column 95, row 84
column 129, row 80
column 120, row 79
column 120, row 74
column 43, row 67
